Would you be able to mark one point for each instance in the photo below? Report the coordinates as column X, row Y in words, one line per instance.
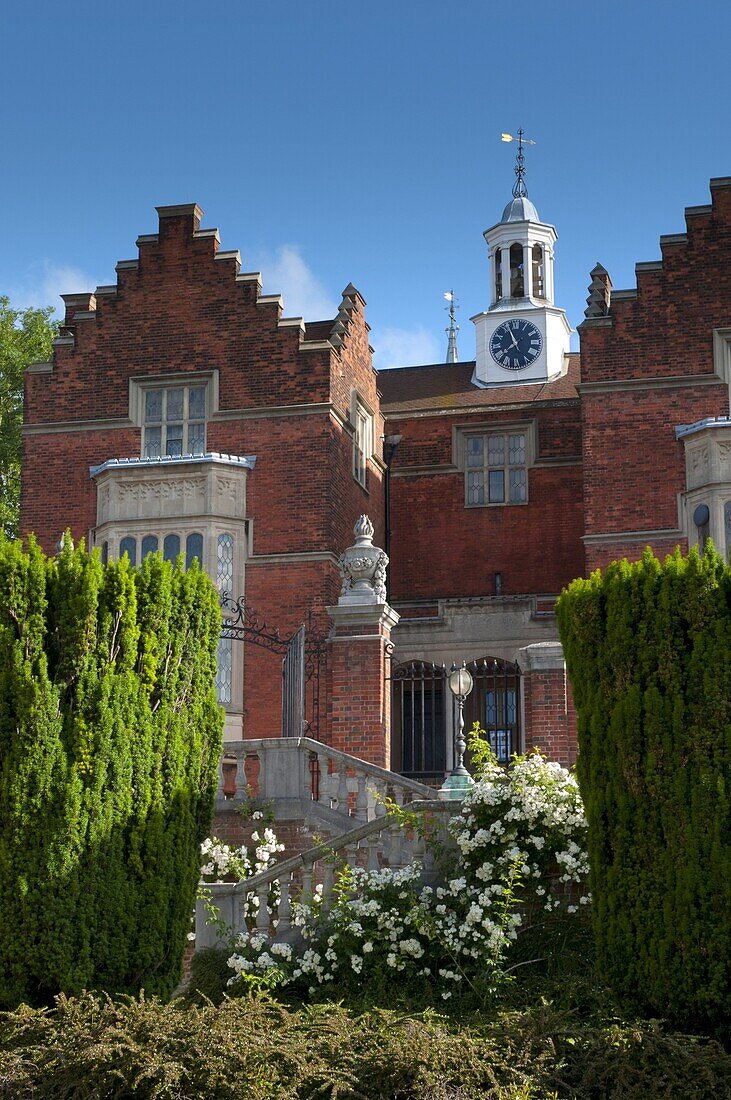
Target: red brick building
column 182, row 412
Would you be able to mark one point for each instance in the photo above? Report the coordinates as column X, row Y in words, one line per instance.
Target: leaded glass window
column 193, row 549
column 174, row 421
column 496, row 468
column 225, row 563
column 171, row 548
column 224, row 675
column 128, row 546
column 149, row 545
column 361, row 445
column 500, row 721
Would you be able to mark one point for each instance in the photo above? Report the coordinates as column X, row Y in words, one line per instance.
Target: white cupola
column 523, row 336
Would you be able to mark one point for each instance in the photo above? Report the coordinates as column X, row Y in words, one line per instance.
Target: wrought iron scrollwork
column 242, row 623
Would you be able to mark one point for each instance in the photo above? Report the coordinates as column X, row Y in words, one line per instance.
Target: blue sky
column 332, row 142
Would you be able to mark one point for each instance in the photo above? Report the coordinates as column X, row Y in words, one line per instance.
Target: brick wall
column 549, row 716
column 180, row 308
column 359, row 708
column 646, row 368
column 442, row 548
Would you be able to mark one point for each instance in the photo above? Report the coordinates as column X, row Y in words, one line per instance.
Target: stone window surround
column 722, row 353
column 361, row 413
column 707, row 473
column 141, row 383
column 461, row 432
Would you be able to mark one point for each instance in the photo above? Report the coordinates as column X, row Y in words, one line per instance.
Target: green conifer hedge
column 648, row 652
column 110, row 735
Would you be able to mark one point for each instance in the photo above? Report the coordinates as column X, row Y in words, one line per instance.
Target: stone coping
column 170, row 461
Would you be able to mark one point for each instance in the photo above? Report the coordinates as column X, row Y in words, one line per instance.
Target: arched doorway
column 424, row 713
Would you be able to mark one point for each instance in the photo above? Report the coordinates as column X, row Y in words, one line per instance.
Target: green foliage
column 109, row 741
column 209, row 975
column 26, row 336
column 648, row 650
column 255, row 1048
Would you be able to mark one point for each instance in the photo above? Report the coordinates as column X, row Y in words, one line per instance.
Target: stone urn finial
column 363, row 531
column 363, row 568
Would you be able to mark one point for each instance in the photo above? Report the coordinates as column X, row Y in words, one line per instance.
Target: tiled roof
column 449, row 386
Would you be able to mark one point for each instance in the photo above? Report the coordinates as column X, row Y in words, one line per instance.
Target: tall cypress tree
column 648, row 650
column 109, row 740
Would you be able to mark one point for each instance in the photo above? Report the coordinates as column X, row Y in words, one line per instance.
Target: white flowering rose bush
column 385, row 926
column 530, row 815
column 519, row 851
column 224, row 863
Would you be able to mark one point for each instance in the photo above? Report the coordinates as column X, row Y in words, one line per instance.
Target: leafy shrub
column 519, row 844
column 110, row 736
column 209, row 975
column 648, row 650
column 254, row 1048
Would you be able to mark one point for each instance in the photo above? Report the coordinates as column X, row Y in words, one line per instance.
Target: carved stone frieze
column 697, row 462
column 151, row 492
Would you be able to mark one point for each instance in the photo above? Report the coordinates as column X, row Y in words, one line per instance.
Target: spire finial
column 520, row 191
column 453, row 329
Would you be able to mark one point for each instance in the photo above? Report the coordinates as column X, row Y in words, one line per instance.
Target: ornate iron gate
column 293, row 686
column 424, row 713
column 303, row 660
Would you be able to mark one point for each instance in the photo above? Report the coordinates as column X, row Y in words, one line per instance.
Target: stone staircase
column 302, row 780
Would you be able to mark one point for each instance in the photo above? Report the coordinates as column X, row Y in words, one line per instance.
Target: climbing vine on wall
column 109, row 741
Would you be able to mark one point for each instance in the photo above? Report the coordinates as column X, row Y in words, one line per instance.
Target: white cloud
column 404, row 347
column 285, row 272
column 44, row 282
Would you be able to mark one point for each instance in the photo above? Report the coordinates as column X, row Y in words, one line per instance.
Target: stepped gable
column 444, row 386
column 685, row 292
column 183, row 304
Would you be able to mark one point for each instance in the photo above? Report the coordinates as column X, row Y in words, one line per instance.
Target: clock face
column 515, row 344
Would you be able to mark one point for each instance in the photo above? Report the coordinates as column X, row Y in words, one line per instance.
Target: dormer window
column 517, row 280
column 539, row 280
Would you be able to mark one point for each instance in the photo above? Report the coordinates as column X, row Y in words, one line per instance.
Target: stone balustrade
column 387, row 843
column 297, row 774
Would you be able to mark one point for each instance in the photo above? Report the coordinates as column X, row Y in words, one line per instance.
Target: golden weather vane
column 519, row 189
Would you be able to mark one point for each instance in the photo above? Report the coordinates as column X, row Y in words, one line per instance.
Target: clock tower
column 523, row 336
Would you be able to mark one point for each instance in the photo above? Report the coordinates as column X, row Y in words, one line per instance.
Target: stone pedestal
column 360, row 685
column 549, row 719
column 360, row 699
